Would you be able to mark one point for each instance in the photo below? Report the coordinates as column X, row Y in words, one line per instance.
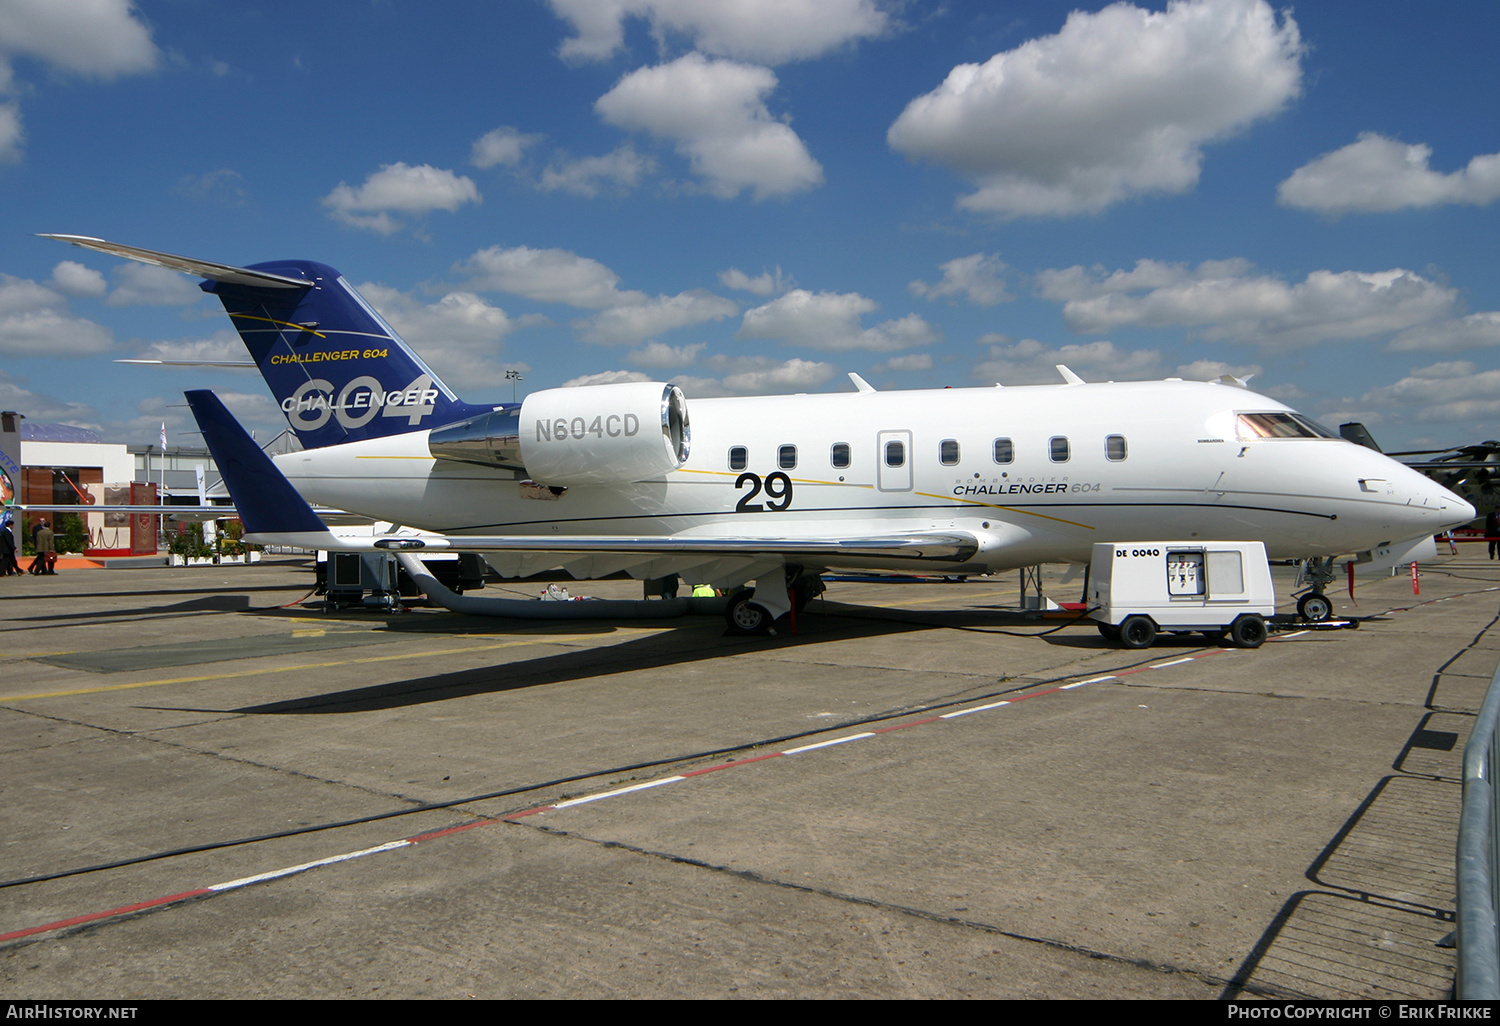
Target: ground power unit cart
column 1138, row 589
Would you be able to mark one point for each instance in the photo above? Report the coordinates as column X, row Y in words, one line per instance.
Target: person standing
column 46, row 551
column 8, row 563
column 1492, row 531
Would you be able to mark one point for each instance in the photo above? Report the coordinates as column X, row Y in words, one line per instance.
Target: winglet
column 268, row 504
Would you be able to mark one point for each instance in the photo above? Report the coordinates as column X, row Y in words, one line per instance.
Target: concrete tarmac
column 900, row 800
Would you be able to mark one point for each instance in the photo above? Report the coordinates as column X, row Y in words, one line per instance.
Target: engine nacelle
column 595, row 434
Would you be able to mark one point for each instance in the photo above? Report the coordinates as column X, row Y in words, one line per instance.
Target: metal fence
column 1479, row 858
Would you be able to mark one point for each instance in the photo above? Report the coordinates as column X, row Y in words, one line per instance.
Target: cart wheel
column 1109, row 630
column 1137, row 631
column 1314, row 608
column 1248, row 631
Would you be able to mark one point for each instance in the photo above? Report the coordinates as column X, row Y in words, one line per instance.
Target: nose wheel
column 1314, row 607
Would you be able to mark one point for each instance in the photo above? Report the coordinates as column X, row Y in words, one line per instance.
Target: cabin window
column 1058, row 450
column 839, row 456
column 948, row 452
column 1281, row 425
column 739, row 458
column 1005, row 450
column 895, row 454
column 1114, row 448
column 786, row 457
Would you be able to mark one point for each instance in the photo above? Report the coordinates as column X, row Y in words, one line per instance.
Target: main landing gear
column 745, row 614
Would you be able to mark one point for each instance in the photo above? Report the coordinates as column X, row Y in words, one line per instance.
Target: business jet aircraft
column 776, row 489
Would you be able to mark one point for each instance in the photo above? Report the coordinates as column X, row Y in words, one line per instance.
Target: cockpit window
column 1280, row 425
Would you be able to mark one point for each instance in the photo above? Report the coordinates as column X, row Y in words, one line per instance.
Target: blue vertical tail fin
column 338, row 371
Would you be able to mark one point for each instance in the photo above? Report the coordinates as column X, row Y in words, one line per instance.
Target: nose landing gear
column 1316, row 573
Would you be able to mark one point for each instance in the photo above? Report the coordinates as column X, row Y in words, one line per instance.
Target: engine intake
column 596, row 434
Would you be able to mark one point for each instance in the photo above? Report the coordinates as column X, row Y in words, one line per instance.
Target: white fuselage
column 1142, row 461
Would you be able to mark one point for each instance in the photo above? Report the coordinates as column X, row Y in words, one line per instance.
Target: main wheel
column 1314, row 608
column 1137, row 631
column 744, row 616
column 1248, row 630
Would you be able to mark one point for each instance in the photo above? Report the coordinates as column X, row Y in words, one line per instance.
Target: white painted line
column 1294, row 634
column 275, row 874
column 1091, row 680
column 977, row 708
column 1174, row 662
column 825, row 744
column 617, row 791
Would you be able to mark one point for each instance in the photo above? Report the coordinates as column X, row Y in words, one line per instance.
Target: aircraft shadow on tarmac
column 238, row 602
column 685, row 643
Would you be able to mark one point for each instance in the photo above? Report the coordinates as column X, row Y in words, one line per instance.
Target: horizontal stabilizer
column 187, row 265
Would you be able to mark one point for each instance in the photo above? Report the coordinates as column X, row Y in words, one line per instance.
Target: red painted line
column 529, row 812
column 1035, row 694
column 731, row 765
column 63, row 924
column 450, row 830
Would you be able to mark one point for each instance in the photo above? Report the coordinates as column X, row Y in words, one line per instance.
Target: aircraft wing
column 274, row 513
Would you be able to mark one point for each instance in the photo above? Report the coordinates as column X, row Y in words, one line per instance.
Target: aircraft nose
column 1453, row 510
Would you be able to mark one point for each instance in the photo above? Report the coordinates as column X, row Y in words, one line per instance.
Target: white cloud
column 980, row 278
column 458, row 336
column 35, row 321
column 1029, row 362
column 715, row 112
column 771, row 31
column 559, row 276
column 548, row 276
column 1377, row 173
column 222, row 345
column 73, row 279
column 623, row 168
column 905, row 364
column 1212, row 370
column 755, row 375
column 831, row 321
column 1227, row 301
column 224, row 186
column 763, row 284
column 661, row 355
column 1118, row 103
column 635, row 322
column 93, row 38
column 15, row 396
column 1454, row 390
column 145, row 285
column 11, row 133
column 605, row 378
column 504, row 146
column 98, row 39
column 1475, row 331
column 402, row 188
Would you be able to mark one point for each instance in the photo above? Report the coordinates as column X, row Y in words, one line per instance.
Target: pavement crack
column 751, row 876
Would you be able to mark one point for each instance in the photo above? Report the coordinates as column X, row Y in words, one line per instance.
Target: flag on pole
column 163, row 436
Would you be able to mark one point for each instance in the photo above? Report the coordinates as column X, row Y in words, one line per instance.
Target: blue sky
column 760, row 197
